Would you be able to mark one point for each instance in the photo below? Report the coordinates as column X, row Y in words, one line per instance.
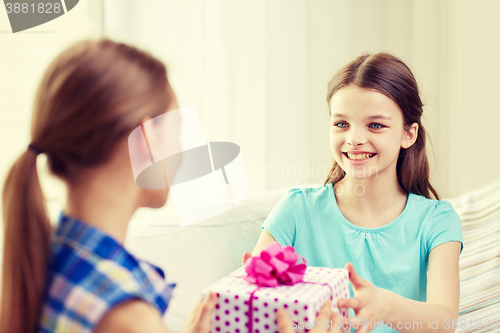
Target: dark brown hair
column 388, row 75
column 90, row 97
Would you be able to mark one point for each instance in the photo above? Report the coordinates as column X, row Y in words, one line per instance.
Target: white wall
column 477, row 85
column 257, row 71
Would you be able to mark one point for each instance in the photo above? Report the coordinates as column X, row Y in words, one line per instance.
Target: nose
column 356, row 138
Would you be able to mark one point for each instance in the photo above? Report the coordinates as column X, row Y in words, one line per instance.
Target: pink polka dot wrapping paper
column 302, row 301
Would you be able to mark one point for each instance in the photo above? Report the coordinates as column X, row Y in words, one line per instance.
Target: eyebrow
column 378, row 116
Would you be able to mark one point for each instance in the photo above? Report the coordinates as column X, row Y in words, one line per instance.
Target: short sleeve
column 283, row 221
column 444, row 226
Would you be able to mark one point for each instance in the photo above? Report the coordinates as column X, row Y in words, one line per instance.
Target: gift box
column 248, row 298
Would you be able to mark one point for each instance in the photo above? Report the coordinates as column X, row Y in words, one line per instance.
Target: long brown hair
column 91, row 96
column 388, row 75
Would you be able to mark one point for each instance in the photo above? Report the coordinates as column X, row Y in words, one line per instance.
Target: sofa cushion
column 197, row 255
column 480, row 258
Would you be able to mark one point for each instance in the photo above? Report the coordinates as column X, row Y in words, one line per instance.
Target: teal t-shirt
column 394, row 256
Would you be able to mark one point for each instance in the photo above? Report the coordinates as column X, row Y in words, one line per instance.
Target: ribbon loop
column 276, row 265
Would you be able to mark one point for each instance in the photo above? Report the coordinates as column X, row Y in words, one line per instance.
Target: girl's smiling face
column 367, row 121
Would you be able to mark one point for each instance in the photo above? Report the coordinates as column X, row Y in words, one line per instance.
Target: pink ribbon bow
column 275, row 265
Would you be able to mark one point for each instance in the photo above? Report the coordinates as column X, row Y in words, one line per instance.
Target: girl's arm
column 133, row 316
column 137, row 316
column 265, row 239
column 372, row 304
column 443, row 294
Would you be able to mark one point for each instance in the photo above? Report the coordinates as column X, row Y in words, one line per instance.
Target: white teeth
column 359, row 156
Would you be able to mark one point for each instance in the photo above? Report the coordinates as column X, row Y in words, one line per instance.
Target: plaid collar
column 93, row 242
column 80, row 235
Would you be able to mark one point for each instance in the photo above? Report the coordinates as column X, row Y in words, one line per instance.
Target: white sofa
column 198, row 255
column 479, row 212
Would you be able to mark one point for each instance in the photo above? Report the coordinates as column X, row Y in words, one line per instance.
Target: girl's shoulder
column 431, row 205
column 309, row 193
column 440, row 223
column 90, row 267
column 435, row 214
column 81, row 293
column 307, row 198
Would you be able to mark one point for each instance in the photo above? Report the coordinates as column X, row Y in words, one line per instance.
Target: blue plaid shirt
column 89, row 273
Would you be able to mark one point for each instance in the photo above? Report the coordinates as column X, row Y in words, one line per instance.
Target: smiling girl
column 375, row 215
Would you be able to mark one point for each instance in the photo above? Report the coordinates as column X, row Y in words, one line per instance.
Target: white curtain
column 258, row 70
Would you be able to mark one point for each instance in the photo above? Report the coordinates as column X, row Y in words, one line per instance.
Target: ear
column 410, row 136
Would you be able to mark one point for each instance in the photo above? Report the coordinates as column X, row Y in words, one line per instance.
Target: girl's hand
column 198, row 320
column 246, row 255
column 369, row 302
column 285, row 325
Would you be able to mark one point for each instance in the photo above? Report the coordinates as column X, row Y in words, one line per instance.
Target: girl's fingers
column 207, row 308
column 336, row 327
column 195, row 313
column 208, row 303
column 202, row 304
column 246, row 256
column 356, row 280
column 193, row 317
column 325, row 312
column 283, row 321
column 336, row 317
column 363, row 329
column 360, row 324
column 354, row 303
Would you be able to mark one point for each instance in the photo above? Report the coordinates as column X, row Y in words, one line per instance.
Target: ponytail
column 89, row 99
column 26, row 247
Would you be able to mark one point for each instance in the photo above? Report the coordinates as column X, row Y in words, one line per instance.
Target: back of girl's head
column 90, row 98
column 388, row 75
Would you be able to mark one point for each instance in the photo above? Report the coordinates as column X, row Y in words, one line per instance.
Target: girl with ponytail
column 79, row 277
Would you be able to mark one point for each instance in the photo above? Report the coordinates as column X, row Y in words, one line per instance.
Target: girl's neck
column 105, row 198
column 372, row 199
column 102, row 212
